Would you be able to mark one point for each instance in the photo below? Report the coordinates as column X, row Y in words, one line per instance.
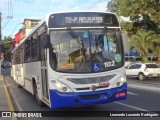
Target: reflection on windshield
column 99, row 52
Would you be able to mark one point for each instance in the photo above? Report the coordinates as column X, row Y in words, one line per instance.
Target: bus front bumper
column 59, row 100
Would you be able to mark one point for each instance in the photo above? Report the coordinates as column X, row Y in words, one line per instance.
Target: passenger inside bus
column 109, row 48
column 96, row 47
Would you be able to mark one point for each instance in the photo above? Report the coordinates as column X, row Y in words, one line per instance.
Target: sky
column 37, row 9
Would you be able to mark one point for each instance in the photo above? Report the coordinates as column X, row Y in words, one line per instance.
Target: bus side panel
column 32, row 71
column 19, row 74
column 13, row 72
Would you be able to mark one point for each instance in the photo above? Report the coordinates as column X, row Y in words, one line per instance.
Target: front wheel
column 141, row 76
column 17, row 83
column 40, row 103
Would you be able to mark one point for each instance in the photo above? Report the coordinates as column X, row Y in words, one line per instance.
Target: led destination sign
column 82, row 19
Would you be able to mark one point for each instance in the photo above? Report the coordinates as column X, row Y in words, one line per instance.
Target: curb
column 155, row 89
column 8, row 96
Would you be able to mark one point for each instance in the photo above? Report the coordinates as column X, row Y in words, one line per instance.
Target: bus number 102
column 109, row 64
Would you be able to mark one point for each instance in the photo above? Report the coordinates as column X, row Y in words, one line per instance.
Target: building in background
column 29, row 24
column 16, row 39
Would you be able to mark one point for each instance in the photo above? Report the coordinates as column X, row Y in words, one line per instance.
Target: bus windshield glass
column 86, row 51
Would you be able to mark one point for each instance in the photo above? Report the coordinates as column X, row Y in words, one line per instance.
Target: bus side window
column 42, row 44
column 21, row 53
column 34, row 47
column 27, row 51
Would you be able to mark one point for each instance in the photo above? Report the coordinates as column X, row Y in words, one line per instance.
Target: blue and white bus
column 72, row 59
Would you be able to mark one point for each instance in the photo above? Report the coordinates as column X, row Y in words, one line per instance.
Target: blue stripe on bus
column 59, row 100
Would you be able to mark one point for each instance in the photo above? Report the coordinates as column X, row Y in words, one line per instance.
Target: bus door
column 44, row 70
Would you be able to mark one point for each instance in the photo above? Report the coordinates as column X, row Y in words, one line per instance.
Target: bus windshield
column 86, row 51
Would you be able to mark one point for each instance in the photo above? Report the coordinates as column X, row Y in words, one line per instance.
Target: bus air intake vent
column 91, row 80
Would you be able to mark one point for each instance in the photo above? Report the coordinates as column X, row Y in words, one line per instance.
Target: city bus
column 72, row 59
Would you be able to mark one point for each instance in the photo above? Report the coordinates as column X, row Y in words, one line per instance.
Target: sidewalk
column 5, row 100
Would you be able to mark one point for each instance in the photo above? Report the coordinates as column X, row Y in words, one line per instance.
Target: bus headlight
column 121, row 81
column 61, row 87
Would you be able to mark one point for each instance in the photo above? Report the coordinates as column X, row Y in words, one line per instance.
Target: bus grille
column 91, row 80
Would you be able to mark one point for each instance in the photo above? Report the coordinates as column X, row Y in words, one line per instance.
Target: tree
column 112, row 6
column 142, row 41
column 127, row 26
column 156, row 47
column 144, row 16
column 5, row 48
column 143, row 13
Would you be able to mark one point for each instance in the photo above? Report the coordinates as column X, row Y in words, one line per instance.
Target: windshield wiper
column 80, row 40
column 73, row 34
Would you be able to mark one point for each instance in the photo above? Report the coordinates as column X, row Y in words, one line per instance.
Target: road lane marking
column 15, row 100
column 10, row 104
column 131, row 93
column 142, row 87
column 145, row 84
column 137, row 108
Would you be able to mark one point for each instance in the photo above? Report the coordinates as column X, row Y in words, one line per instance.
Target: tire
column 141, row 76
column 40, row 103
column 17, row 83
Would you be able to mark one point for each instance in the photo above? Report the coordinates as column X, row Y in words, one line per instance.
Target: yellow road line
column 11, row 108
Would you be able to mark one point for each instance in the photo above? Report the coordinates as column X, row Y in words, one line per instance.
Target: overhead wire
column 9, row 16
column 95, row 3
column 7, row 22
column 15, row 28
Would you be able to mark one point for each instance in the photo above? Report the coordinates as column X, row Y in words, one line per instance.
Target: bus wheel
column 40, row 103
column 141, row 76
column 18, row 85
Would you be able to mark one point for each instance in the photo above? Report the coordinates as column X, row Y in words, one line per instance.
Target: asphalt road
column 138, row 100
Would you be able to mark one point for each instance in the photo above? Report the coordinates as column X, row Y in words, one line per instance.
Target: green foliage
column 127, row 26
column 112, row 6
column 145, row 18
column 7, row 41
column 133, row 8
column 156, row 47
column 142, row 41
column 143, row 13
column 5, row 47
